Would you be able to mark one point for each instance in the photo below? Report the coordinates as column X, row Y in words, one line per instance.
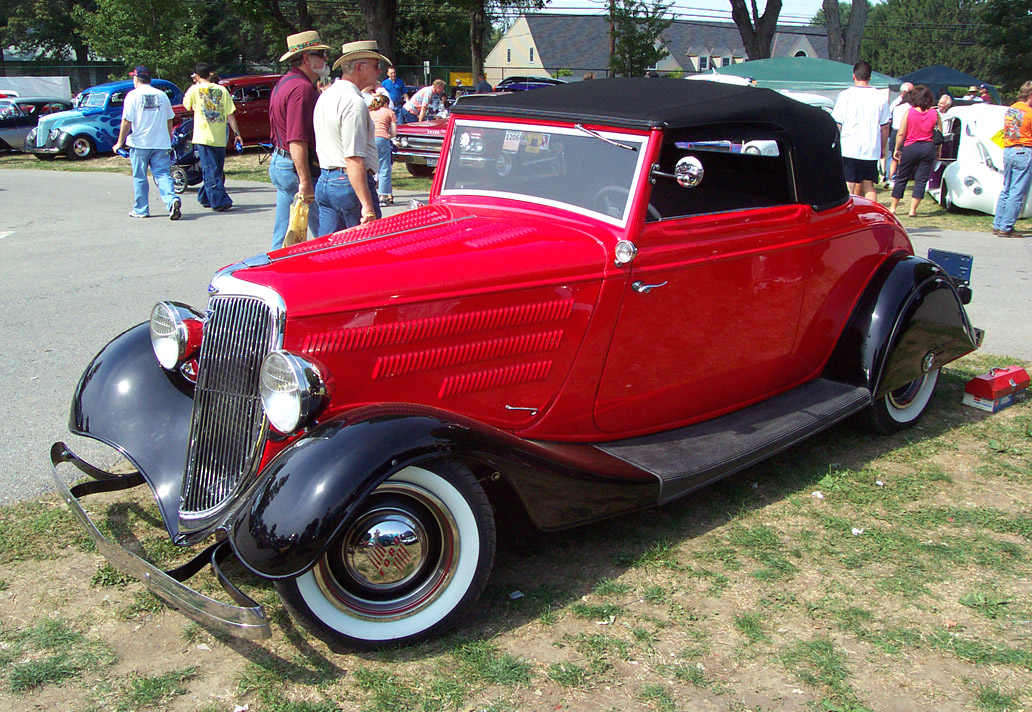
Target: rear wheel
column 419, row 171
column 81, row 147
column 406, row 567
column 903, row 407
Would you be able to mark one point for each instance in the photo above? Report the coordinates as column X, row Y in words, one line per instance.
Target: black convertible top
column 642, row 103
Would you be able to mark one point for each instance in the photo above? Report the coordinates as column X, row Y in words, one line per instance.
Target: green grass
column 49, row 652
column 155, row 690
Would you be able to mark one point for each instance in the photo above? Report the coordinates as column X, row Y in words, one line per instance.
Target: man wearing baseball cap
column 147, row 129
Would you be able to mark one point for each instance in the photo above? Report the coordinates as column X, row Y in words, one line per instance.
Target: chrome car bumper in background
column 246, row 620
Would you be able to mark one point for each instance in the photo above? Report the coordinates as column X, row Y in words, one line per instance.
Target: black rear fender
column 910, row 320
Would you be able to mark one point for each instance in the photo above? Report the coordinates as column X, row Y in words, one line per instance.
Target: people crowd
column 331, row 139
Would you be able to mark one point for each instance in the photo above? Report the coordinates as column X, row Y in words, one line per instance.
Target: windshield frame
column 639, row 140
column 88, row 102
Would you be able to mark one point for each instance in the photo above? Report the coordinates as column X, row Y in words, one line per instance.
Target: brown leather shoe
column 1009, row 233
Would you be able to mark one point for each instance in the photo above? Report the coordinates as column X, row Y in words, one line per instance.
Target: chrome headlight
column 173, row 338
column 292, row 390
column 403, row 141
column 31, row 136
column 54, row 133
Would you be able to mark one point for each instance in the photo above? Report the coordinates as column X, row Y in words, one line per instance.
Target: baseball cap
column 140, row 71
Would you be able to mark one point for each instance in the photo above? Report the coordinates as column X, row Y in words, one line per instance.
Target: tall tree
column 637, row 29
column 901, row 36
column 757, row 30
column 381, row 21
column 844, row 42
column 1007, row 35
column 160, row 34
column 48, row 27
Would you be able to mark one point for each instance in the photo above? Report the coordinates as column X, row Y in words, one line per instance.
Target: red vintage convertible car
column 601, row 309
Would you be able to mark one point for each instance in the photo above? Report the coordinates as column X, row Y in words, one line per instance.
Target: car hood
column 436, row 127
column 64, row 118
column 433, row 252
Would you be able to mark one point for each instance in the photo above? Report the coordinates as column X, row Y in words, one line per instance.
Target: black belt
column 280, row 152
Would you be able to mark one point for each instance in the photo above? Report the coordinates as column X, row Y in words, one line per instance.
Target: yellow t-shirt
column 211, row 105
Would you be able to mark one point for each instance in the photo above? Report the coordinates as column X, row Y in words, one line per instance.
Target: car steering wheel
column 609, row 199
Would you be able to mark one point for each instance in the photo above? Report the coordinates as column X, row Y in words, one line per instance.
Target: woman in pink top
column 386, row 126
column 915, row 149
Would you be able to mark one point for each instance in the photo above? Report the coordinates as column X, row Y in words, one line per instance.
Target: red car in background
column 251, row 97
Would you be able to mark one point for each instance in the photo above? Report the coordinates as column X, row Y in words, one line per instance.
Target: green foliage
column 637, row 28
column 49, row 652
column 1006, row 32
column 156, row 690
column 46, row 26
column 160, row 34
column 902, row 36
column 819, row 19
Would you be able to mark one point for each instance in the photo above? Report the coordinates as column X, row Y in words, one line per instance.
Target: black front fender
column 309, row 492
column 128, row 401
column 910, row 319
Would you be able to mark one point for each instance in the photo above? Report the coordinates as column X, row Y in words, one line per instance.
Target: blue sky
column 792, row 11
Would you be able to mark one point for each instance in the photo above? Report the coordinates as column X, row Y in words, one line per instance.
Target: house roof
column 582, row 41
column 636, row 102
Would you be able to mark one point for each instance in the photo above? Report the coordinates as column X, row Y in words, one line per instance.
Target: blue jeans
column 212, row 192
column 406, row 117
column 161, row 168
column 383, row 153
column 1017, row 176
column 284, row 177
column 338, row 204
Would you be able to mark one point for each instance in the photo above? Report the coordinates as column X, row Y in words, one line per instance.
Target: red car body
column 600, row 310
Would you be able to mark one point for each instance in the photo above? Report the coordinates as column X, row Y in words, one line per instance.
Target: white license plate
column 432, row 162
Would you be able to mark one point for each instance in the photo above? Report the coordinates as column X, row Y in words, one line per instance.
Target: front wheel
column 901, row 408
column 945, row 199
column 80, row 148
column 406, row 566
column 419, row 171
column 179, row 179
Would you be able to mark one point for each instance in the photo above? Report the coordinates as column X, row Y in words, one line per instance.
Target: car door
column 14, row 125
column 710, row 317
column 252, row 111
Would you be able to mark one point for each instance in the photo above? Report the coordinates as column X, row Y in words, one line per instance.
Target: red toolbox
column 997, row 389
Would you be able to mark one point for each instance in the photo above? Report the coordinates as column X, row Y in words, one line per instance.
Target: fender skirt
column 909, row 320
column 125, row 399
column 309, row 492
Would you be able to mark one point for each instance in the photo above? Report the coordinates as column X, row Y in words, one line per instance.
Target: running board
column 691, row 457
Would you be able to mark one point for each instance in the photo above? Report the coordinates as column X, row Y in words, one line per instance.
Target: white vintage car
column 968, row 172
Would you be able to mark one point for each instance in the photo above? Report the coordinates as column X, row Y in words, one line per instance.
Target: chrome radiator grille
column 228, row 430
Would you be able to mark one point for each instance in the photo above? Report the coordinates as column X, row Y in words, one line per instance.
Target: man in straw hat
column 291, row 106
column 346, row 142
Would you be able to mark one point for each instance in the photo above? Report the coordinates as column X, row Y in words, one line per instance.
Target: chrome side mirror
column 688, row 172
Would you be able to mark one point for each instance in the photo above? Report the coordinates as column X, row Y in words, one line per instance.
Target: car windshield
column 8, row 109
column 573, row 168
column 93, row 100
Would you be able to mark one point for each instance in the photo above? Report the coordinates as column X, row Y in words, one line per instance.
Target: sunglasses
column 321, row 53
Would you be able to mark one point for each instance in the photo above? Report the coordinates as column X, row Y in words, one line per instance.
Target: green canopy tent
column 820, row 76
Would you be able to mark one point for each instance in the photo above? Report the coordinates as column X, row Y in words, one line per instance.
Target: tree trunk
column 833, row 26
column 757, row 30
column 380, row 20
column 303, row 19
column 855, row 32
column 477, row 26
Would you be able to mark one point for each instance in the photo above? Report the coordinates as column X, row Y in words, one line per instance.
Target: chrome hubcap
column 902, row 397
column 386, row 549
column 395, row 559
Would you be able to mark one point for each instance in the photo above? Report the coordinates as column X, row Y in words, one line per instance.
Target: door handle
column 643, row 288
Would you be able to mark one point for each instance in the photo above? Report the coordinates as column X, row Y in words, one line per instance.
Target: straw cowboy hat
column 366, row 49
column 303, row 42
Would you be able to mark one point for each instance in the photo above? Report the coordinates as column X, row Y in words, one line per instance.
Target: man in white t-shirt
column 862, row 114
column 899, row 106
column 345, row 141
column 147, row 129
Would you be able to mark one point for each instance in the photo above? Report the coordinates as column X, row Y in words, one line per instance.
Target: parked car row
column 599, row 310
column 19, row 115
column 92, row 125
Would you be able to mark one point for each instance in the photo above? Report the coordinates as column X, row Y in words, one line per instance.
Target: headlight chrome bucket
column 292, row 390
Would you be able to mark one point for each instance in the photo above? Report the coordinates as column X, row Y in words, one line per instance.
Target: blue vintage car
column 92, row 127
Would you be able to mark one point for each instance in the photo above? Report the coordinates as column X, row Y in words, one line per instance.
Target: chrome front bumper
column 246, row 620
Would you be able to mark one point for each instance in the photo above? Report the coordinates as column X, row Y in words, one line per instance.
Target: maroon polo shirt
column 291, row 109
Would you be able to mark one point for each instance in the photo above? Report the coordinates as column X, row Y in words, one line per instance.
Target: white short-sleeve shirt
column 861, row 112
column 148, row 110
column 343, row 127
